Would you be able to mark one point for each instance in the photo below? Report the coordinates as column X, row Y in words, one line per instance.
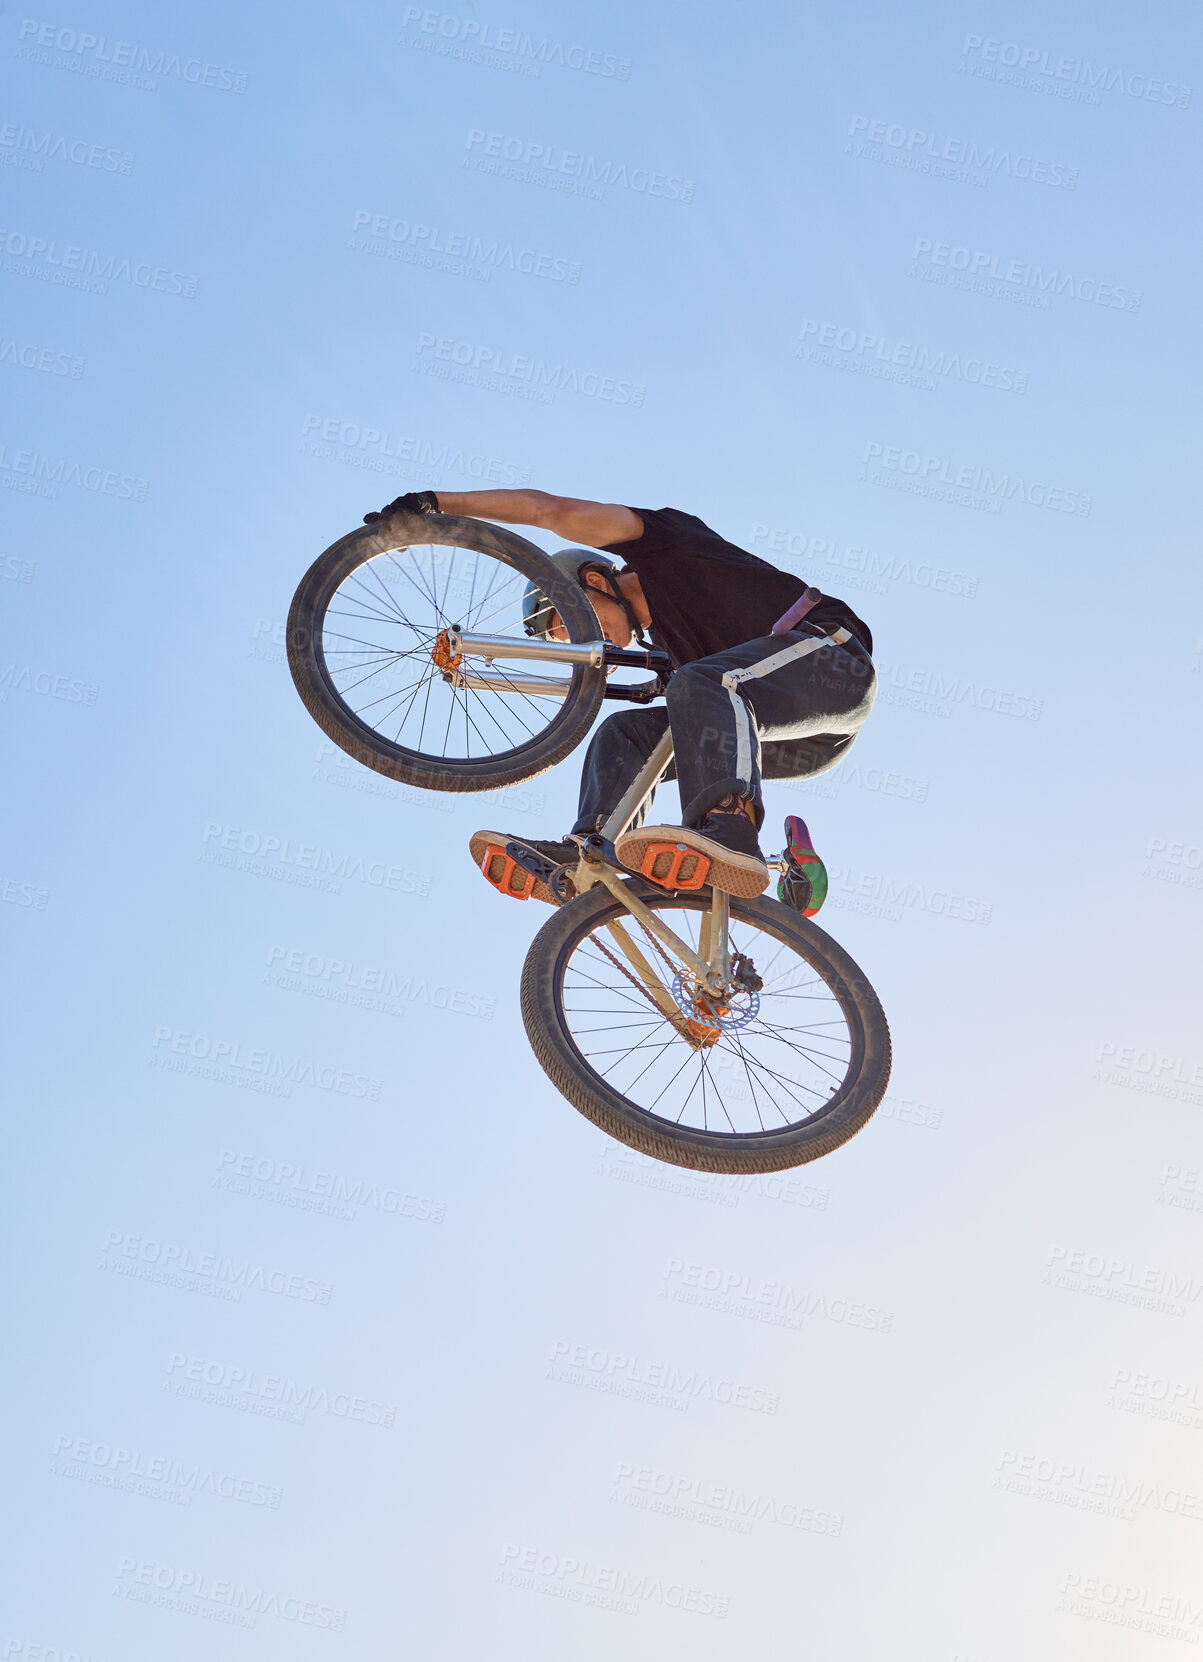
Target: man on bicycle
column 744, row 703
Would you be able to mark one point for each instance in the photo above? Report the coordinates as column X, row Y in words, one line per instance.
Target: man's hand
column 413, row 502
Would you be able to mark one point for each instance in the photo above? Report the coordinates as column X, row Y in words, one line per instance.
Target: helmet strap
column 615, row 588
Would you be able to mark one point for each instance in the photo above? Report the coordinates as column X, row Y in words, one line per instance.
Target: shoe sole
column 739, row 874
column 480, row 844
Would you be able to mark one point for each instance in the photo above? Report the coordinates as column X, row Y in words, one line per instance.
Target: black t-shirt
column 706, row 595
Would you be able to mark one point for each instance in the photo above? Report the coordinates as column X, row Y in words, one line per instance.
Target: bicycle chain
column 633, row 979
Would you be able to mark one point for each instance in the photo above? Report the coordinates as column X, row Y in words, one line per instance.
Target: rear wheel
column 773, row 1078
column 368, row 653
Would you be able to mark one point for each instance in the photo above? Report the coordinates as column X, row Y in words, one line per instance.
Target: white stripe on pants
column 744, row 733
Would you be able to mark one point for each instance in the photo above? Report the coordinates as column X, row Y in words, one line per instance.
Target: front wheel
column 368, row 650
column 774, row 1079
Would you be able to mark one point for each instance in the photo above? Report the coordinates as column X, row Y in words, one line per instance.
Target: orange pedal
column 506, row 875
column 662, row 863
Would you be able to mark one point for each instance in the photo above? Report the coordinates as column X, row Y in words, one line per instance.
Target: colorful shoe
column 510, row 878
column 723, row 853
column 803, row 884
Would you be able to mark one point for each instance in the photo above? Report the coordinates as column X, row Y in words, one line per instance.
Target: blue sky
column 903, row 302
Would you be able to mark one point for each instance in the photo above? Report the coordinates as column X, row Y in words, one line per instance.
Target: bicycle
column 742, row 1040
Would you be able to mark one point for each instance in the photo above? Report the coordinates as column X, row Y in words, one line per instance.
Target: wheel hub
column 442, row 655
column 709, row 1017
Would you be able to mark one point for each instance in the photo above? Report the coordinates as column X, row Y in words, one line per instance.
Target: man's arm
column 592, row 523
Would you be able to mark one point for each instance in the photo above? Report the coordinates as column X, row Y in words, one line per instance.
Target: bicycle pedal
column 675, row 866
column 508, row 876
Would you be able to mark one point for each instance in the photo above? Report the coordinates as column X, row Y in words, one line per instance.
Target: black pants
column 781, row 707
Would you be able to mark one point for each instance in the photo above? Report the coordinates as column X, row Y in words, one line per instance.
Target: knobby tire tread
column 356, row 738
column 749, row 1153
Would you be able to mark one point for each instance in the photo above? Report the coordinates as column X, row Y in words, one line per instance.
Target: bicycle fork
column 710, row 965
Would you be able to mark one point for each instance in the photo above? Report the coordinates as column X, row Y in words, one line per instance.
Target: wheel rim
column 381, row 649
column 771, row 1062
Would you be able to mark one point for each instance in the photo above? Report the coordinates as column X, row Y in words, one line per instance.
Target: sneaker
column 803, row 883
column 722, row 852
column 504, row 872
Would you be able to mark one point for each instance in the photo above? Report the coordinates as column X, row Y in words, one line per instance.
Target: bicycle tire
column 321, row 697
column 705, row 1150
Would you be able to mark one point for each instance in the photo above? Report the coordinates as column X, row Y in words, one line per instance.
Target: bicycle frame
column 712, row 964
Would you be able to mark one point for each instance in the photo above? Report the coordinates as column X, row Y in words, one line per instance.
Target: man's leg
column 795, row 687
column 619, row 748
column 776, row 689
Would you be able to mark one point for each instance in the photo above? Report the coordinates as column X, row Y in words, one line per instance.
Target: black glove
column 413, row 502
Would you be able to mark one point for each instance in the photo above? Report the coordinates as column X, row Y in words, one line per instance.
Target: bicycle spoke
column 686, row 1082
column 388, row 614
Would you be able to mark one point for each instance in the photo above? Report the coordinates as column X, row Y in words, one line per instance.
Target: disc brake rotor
column 722, row 1015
